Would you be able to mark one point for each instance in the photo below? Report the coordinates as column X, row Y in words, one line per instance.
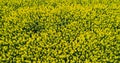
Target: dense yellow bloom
column 59, row 31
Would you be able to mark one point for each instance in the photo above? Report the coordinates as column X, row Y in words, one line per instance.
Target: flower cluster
column 59, row 31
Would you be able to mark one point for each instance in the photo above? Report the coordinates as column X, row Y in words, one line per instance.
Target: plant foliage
column 59, row 31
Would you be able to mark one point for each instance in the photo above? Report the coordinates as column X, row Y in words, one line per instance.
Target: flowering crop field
column 59, row 31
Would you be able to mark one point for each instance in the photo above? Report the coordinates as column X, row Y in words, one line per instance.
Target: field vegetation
column 59, row 31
